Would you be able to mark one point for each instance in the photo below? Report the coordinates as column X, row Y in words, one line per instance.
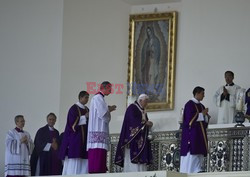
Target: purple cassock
column 247, row 101
column 194, row 135
column 134, row 135
column 74, row 140
column 50, row 164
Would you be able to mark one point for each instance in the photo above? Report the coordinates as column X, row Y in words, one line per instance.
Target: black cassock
column 50, row 164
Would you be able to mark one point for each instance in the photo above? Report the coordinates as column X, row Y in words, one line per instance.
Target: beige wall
column 30, row 63
column 211, row 39
column 95, row 47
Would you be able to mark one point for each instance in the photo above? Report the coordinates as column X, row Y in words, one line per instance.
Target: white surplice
column 98, row 127
column 17, row 154
column 226, row 109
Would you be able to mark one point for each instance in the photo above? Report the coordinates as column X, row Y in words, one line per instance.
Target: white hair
column 142, row 97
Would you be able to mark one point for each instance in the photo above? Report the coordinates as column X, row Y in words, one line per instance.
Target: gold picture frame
column 152, row 55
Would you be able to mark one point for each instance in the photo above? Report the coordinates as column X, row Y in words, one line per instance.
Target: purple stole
column 18, row 130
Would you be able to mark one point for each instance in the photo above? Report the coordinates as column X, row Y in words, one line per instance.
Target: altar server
column 225, row 99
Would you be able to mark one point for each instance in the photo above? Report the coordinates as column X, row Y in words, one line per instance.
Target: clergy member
column 73, row 145
column 194, row 136
column 19, row 146
column 44, row 159
column 134, row 148
column 247, row 101
column 225, row 100
column 98, row 130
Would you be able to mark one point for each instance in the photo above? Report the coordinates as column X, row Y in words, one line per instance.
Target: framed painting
column 152, row 53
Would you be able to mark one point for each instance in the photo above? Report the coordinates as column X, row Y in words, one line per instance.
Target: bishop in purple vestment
column 194, row 144
column 134, row 137
column 44, row 159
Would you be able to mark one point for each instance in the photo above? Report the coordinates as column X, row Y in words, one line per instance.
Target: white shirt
column 83, row 119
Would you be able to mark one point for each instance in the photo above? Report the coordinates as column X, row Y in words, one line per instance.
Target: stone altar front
column 228, row 145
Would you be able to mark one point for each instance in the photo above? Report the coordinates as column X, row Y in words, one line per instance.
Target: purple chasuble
column 194, row 134
column 75, row 136
column 134, row 136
